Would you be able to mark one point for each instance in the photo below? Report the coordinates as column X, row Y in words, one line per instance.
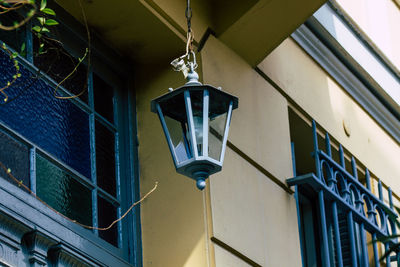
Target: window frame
column 126, row 156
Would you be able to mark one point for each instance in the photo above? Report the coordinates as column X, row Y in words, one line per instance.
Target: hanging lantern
column 195, row 119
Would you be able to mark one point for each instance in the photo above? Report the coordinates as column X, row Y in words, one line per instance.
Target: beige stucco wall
column 309, row 86
column 249, row 212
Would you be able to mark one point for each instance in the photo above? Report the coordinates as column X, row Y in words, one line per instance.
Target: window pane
column 57, row 126
column 107, row 214
column 62, row 192
column 103, row 98
column 174, row 112
column 56, row 62
column 105, row 158
column 14, row 156
column 217, row 122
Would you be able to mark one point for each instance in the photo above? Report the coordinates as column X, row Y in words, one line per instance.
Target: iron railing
column 339, row 191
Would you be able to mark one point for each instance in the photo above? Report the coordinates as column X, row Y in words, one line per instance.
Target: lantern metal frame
column 198, row 166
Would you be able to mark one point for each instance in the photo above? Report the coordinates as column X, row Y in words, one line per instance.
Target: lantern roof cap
column 193, row 87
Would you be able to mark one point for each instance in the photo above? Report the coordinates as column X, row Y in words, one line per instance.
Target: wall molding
column 363, row 95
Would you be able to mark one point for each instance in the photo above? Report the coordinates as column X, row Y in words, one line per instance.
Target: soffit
column 154, row 30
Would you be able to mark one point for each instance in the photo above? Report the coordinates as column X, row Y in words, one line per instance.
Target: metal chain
column 188, row 14
column 188, row 60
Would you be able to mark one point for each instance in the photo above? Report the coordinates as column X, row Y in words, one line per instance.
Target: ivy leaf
column 43, row 5
column 23, row 52
column 23, row 47
column 14, row 54
column 41, row 48
column 51, row 22
column 36, row 28
column 41, row 20
column 48, row 11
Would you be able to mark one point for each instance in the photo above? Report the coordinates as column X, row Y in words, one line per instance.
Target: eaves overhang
column 148, row 31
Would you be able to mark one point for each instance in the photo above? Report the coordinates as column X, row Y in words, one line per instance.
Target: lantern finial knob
column 192, row 76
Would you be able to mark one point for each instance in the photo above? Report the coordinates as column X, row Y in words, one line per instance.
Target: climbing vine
column 42, row 21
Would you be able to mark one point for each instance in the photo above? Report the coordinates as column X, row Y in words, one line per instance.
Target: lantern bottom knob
column 201, row 183
column 200, row 177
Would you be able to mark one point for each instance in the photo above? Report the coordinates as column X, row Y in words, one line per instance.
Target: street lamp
column 195, row 119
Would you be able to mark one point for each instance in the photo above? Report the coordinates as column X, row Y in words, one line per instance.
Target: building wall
column 250, row 212
column 308, row 85
column 247, row 207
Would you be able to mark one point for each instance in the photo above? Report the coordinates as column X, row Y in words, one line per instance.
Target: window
column 75, row 154
column 339, row 214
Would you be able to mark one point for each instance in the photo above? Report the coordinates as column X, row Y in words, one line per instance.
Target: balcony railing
column 339, row 191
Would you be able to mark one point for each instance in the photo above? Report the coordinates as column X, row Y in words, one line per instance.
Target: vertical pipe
column 367, row 179
column 354, row 168
column 341, row 155
column 325, row 249
column 380, row 190
column 388, row 256
column 293, row 160
column 337, row 234
column 350, row 225
column 398, row 259
column 390, row 195
column 316, row 150
column 328, row 145
column 296, row 197
column 375, row 249
column 364, row 249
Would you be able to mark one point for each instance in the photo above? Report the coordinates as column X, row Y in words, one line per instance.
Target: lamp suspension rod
column 188, row 15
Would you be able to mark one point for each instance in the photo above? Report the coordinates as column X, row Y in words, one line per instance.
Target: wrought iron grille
column 347, row 210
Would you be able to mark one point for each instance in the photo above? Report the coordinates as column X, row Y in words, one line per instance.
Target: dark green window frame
column 124, row 128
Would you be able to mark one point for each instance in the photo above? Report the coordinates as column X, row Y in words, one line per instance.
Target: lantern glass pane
column 217, row 127
column 174, row 112
column 217, row 116
column 196, row 98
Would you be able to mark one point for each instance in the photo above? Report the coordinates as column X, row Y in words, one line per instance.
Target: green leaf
column 51, row 22
column 41, row 20
column 43, row 5
column 14, row 54
column 49, row 11
column 36, row 28
column 44, row 29
column 23, row 47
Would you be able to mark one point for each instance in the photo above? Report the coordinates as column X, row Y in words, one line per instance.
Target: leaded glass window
column 64, row 150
